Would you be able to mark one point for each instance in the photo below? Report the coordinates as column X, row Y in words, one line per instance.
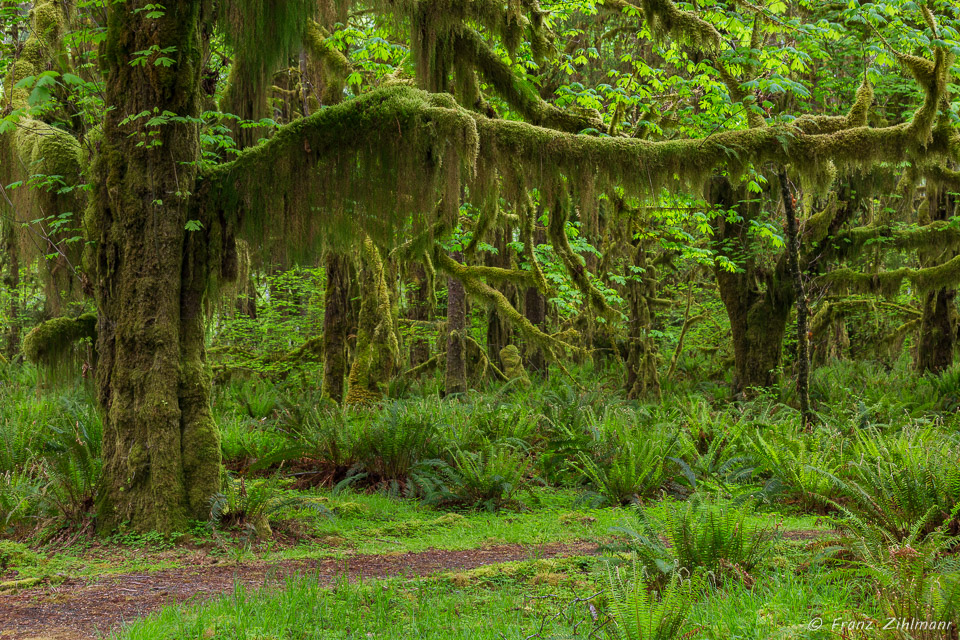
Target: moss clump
column 52, row 342
column 512, row 363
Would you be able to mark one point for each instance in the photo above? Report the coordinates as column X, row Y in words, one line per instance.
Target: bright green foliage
column 642, row 614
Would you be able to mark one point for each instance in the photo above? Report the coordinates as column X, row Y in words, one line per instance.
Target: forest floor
column 88, row 607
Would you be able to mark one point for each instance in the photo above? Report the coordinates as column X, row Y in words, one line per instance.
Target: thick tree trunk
column 335, row 312
column 161, row 448
column 938, row 331
column 757, row 301
column 456, row 373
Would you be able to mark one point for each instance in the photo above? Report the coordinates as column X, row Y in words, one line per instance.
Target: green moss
column 53, row 341
column 513, row 365
column 378, row 349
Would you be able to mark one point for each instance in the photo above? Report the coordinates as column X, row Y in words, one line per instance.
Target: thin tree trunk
column 161, row 448
column 456, row 374
column 335, row 318
column 421, row 310
column 535, row 310
column 793, row 253
column 498, row 331
column 11, row 282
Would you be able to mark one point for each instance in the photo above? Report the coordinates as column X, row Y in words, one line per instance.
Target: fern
column 252, row 505
column 643, row 614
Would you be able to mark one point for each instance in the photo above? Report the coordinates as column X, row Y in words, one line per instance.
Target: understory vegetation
column 736, row 522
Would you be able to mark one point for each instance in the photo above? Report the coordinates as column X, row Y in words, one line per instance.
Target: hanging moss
column 833, row 311
column 888, row 283
column 361, row 167
column 664, row 17
column 53, row 343
column 378, row 350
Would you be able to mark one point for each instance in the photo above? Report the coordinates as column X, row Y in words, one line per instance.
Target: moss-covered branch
column 888, row 283
column 553, row 344
column 516, row 91
column 51, row 343
column 937, row 234
column 664, row 16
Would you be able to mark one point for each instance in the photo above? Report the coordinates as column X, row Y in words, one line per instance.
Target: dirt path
column 78, row 609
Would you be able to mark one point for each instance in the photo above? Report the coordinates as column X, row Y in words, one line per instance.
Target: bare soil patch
column 82, row 608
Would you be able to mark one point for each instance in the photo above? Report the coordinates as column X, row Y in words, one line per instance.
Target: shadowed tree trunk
column 793, row 258
column 757, row 300
column 421, row 310
column 498, row 331
column 456, row 374
column 535, row 310
column 335, row 320
column 938, row 328
column 11, row 282
column 642, row 376
column 161, row 449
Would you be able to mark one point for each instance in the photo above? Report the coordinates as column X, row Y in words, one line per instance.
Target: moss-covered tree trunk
column 456, row 372
column 498, row 331
column 938, row 330
column 10, row 278
column 335, row 312
column 643, row 380
column 161, row 449
column 757, row 299
column 535, row 310
column 938, row 327
column 378, row 349
column 420, row 310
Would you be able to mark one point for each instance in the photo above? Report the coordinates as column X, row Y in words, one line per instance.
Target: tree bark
column 421, row 310
column 161, row 448
column 938, row 328
column 11, row 282
column 757, row 300
column 793, row 253
column 535, row 310
column 456, row 373
column 335, row 313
